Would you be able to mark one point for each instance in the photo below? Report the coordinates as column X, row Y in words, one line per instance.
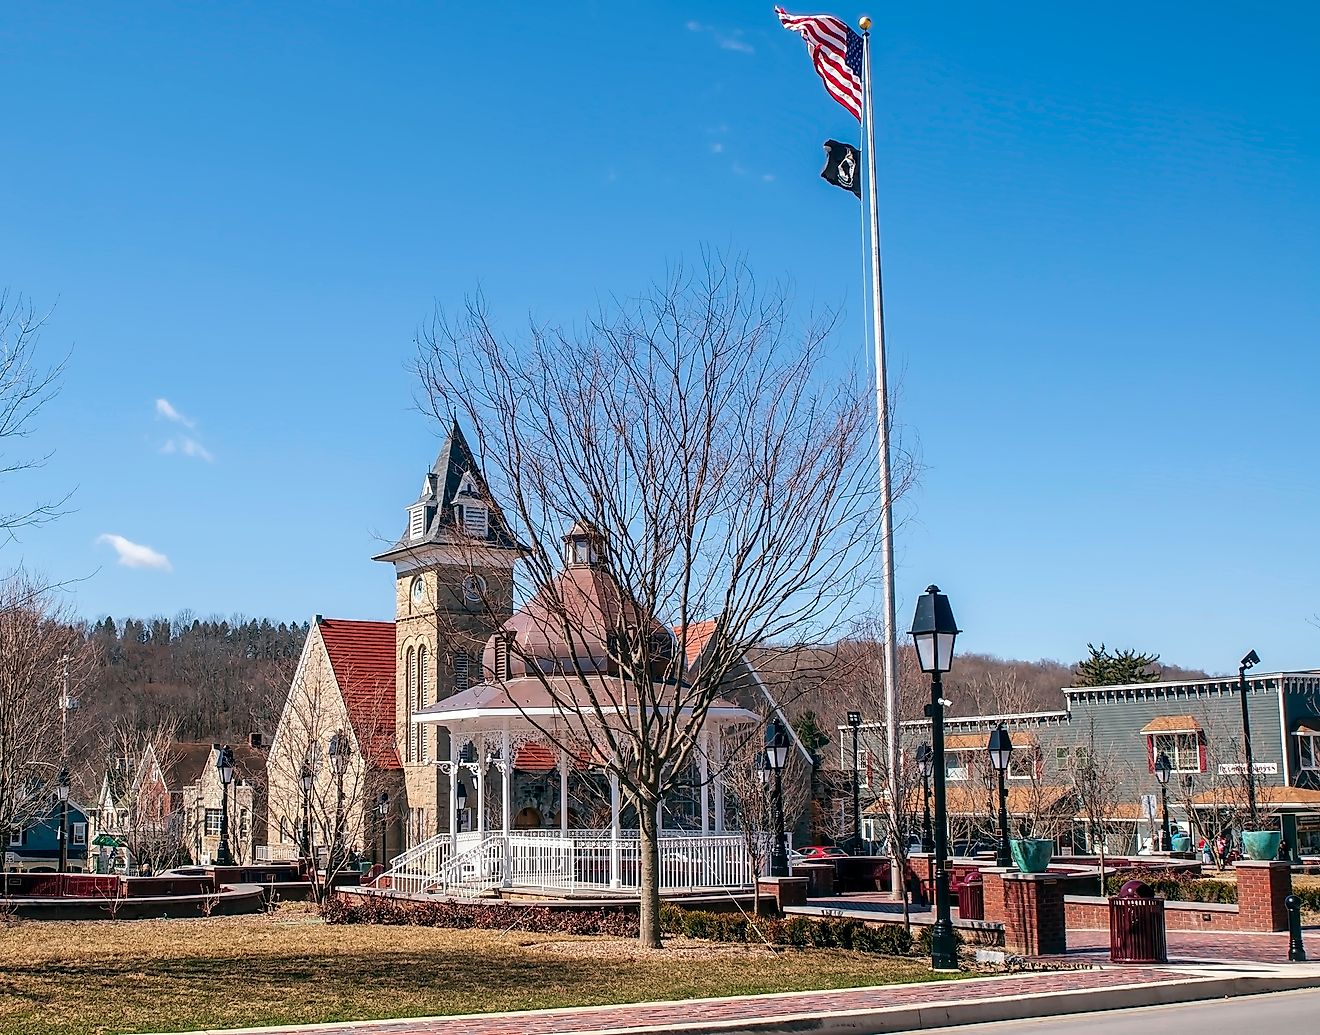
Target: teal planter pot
column 1261, row 845
column 1182, row 843
column 1032, row 854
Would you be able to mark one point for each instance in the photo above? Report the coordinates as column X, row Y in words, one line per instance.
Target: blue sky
column 1101, row 234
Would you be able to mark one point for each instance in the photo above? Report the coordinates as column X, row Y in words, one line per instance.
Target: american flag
column 835, row 50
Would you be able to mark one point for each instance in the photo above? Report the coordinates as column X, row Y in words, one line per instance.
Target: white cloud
column 187, row 447
column 725, row 41
column 716, row 148
column 768, row 177
column 135, row 555
column 164, row 409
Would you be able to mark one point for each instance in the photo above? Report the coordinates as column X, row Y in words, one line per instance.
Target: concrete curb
column 873, row 1020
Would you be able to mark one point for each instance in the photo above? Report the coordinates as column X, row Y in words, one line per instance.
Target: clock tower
column 453, row 571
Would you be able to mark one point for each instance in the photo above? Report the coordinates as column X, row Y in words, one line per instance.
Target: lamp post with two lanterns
column 923, row 764
column 776, row 757
column 934, row 631
column 308, row 778
column 224, row 764
column 339, row 754
column 1162, row 770
column 382, row 813
column 62, row 791
column 1000, row 749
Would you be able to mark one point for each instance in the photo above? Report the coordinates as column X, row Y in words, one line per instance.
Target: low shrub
column 1176, row 886
column 371, row 909
column 797, row 932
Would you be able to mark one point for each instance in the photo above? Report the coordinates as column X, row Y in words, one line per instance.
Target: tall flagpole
column 882, row 433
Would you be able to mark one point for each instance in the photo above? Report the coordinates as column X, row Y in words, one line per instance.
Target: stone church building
column 453, row 587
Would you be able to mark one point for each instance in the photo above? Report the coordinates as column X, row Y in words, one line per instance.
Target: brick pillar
column 1034, row 922
column 1262, row 887
column 993, row 879
column 778, row 892
column 923, row 865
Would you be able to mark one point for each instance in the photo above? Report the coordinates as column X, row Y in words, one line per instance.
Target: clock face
column 474, row 588
column 418, row 590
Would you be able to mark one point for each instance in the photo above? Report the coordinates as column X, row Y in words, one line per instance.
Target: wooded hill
column 212, row 678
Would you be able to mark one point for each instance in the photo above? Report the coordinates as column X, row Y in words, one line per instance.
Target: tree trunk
column 648, row 928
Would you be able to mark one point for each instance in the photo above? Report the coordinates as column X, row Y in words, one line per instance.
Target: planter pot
column 1261, row 845
column 1032, row 854
column 1182, row 843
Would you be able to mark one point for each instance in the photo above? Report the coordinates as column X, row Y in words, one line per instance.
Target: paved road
column 1289, row 1013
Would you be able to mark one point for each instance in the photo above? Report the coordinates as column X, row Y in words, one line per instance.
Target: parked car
column 819, row 853
column 966, row 848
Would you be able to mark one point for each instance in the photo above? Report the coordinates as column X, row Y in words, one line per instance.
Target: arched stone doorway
column 527, row 819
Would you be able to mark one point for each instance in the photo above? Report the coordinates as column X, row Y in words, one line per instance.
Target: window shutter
column 1150, row 753
column 1200, row 752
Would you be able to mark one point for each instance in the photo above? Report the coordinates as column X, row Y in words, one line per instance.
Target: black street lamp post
column 224, row 764
column 1000, row 749
column 308, row 777
column 382, row 813
column 340, row 752
column 776, row 755
column 1162, row 771
column 62, row 790
column 855, row 721
column 933, row 631
column 923, row 763
column 1250, row 661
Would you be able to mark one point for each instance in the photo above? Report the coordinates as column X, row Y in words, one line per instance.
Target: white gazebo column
column 614, row 830
column 453, row 772
column 719, row 780
column 703, row 769
column 563, row 793
column 481, row 789
column 506, row 770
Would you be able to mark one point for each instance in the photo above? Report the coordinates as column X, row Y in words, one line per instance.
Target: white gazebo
column 492, row 726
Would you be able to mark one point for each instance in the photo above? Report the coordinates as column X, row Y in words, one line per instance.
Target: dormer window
column 416, row 523
column 579, row 550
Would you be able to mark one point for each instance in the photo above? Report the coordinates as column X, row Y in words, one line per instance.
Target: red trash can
column 971, row 897
column 1136, row 926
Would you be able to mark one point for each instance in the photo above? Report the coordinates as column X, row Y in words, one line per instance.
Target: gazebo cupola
column 584, row 546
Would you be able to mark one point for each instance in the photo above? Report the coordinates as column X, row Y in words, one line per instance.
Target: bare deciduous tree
column 26, row 384
column 38, row 644
column 724, row 472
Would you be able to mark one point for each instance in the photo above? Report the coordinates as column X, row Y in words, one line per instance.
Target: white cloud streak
column 186, row 446
column 135, row 555
column 164, row 409
column 724, row 40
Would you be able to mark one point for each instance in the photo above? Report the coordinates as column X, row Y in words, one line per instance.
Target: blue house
column 34, row 847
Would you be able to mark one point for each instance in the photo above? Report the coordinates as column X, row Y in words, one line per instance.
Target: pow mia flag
column 842, row 167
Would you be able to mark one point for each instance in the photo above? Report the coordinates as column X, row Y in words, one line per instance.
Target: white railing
column 587, row 859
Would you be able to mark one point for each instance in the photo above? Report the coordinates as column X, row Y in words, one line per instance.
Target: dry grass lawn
column 289, row 967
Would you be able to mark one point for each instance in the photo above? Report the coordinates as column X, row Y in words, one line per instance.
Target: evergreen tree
column 1107, row 667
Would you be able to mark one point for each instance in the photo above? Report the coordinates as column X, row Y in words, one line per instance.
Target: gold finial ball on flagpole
column 864, row 23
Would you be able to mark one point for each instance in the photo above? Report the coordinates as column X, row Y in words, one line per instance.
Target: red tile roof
column 362, row 656
column 535, row 758
column 698, row 634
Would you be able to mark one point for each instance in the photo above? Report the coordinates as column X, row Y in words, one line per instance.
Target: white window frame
column 955, row 772
column 416, row 523
column 80, row 833
column 209, row 828
column 16, row 837
column 1178, row 746
column 1023, row 756
column 1308, row 743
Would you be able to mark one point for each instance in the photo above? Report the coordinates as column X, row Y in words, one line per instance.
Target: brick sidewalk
column 746, row 1008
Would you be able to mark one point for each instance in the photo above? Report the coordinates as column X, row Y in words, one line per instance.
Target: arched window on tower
column 410, row 675
column 461, row 672
column 423, row 731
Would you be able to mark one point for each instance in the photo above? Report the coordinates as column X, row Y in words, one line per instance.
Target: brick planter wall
column 1034, row 917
